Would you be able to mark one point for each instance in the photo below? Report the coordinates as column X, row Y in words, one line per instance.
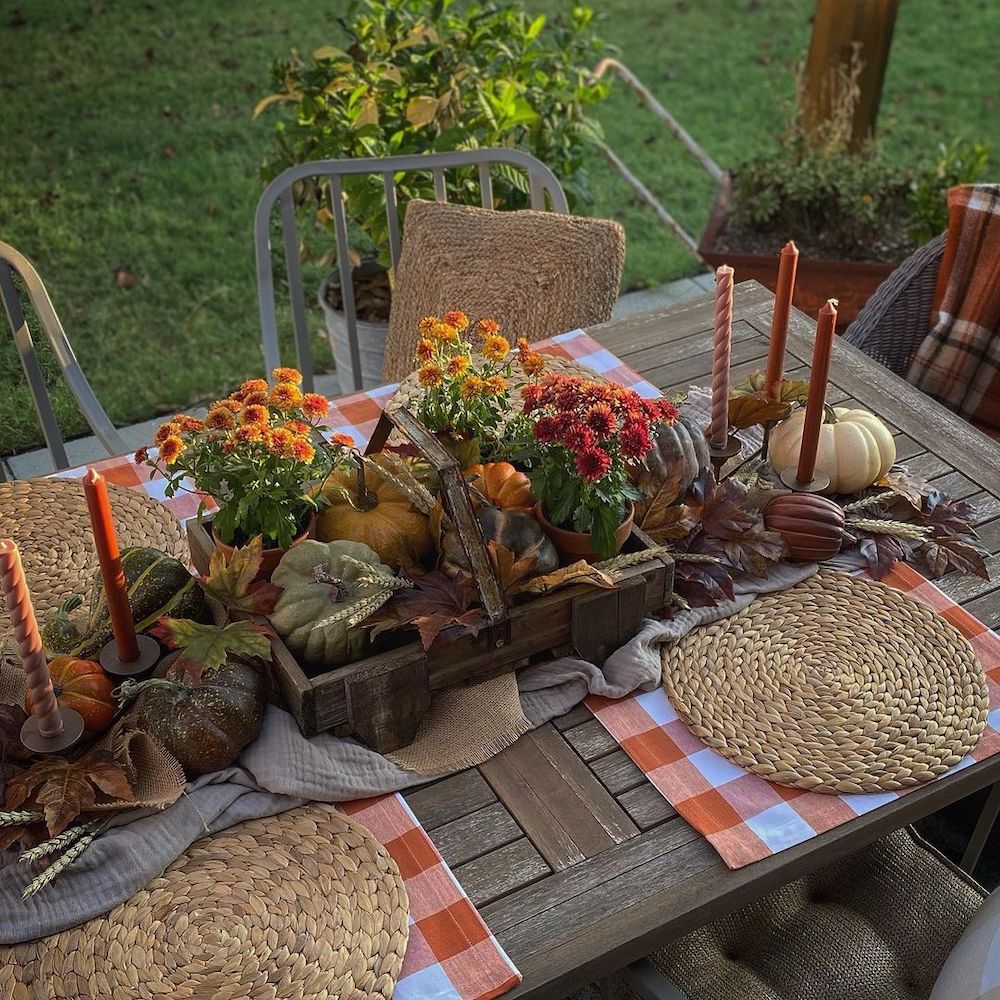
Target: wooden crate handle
column 457, row 503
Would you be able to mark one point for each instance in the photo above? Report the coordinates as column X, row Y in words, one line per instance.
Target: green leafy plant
column 961, row 161
column 412, row 76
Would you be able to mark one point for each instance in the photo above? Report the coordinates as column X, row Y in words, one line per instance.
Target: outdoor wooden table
column 575, row 860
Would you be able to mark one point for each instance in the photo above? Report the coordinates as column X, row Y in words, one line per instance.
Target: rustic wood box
column 382, row 698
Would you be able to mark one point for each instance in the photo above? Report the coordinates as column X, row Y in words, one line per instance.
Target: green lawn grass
column 129, row 145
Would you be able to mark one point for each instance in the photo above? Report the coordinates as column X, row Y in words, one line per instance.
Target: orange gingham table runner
column 745, row 817
column 451, row 954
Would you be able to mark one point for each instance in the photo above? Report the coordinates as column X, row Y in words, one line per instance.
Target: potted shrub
column 416, row 77
column 853, row 212
column 255, row 454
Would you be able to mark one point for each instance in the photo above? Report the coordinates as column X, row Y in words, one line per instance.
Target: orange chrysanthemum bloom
column 249, row 433
column 315, row 406
column 280, row 442
column 188, row 425
column 302, row 449
column 220, row 418
column 444, row 332
column 228, row 446
column 426, row 325
column 472, row 387
column 254, row 413
column 287, row 375
column 487, row 327
column 257, row 398
column 169, row 429
column 457, row 365
column 230, row 403
column 171, row 448
column 251, row 385
column 285, row 396
column 425, row 350
column 496, row 385
column 458, row 319
column 429, row 376
column 299, row 427
column 344, row 440
column 495, row 347
column 532, row 363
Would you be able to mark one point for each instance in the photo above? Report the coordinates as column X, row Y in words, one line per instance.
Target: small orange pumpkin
column 502, row 485
column 85, row 687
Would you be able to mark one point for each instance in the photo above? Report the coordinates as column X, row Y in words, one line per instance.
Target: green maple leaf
column 207, row 647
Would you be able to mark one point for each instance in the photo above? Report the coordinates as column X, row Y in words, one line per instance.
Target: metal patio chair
column 15, row 264
column 544, row 191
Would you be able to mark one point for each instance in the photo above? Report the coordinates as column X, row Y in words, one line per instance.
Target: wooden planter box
column 383, row 698
column 851, row 282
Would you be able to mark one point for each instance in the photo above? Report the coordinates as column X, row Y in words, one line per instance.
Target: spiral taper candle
column 721, row 355
column 48, row 728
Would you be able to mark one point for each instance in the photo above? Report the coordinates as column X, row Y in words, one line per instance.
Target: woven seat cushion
column 535, row 273
column 875, row 926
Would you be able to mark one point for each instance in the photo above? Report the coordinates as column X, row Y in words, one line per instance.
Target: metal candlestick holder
column 819, row 482
column 720, row 456
column 149, row 656
column 68, row 734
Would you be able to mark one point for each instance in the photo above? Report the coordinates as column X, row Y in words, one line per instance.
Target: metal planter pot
column 371, row 339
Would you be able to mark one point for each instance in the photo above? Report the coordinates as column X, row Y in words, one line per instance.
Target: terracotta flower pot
column 269, row 557
column 575, row 545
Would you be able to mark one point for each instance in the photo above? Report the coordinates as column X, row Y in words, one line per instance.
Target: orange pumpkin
column 84, row 686
column 502, row 485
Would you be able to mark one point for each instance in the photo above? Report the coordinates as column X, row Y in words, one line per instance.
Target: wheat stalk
column 695, row 557
column 630, row 559
column 20, row 817
column 884, row 526
column 58, row 866
column 54, row 844
column 404, row 480
column 866, row 503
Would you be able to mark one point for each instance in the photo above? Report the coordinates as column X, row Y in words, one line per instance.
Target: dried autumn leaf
column 63, row 789
column 790, row 390
column 12, row 750
column 437, row 607
column 668, row 523
column 510, row 570
column 882, row 552
column 702, row 585
column 232, row 580
column 950, row 517
column 954, row 552
column 206, row 647
column 578, row 572
column 747, row 411
column 917, row 490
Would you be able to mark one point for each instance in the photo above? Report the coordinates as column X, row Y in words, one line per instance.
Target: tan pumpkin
column 855, row 448
column 366, row 508
column 502, row 485
column 812, row 526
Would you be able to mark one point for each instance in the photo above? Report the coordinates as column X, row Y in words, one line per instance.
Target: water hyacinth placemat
column 745, row 816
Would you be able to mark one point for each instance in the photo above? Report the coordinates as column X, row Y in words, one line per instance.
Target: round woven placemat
column 49, row 521
column 838, row 684
column 298, row 906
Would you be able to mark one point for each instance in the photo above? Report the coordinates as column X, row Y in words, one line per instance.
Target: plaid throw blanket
column 959, row 361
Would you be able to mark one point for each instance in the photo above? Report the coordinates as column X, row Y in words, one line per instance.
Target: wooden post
column 841, row 27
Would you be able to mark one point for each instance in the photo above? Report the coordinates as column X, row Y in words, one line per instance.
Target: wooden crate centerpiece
column 382, row 698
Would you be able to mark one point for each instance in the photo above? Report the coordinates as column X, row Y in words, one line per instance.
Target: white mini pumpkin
column 855, row 448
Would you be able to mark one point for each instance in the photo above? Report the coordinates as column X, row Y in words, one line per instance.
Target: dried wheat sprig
column 58, row 866
column 54, row 844
column 630, row 559
column 404, row 481
column 20, row 817
column 884, row 526
column 695, row 557
column 374, row 576
column 357, row 611
column 866, row 503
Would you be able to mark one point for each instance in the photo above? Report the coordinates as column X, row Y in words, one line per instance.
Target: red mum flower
column 661, row 411
column 579, row 437
column 315, row 405
column 532, row 395
column 601, row 420
column 592, row 464
column 546, row 429
column 634, row 439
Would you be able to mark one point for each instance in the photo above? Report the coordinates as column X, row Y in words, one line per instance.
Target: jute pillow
column 535, row 273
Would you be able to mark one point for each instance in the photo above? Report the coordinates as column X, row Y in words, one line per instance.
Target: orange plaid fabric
column 958, row 363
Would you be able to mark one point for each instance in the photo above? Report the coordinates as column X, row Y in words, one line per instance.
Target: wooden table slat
column 449, row 799
column 502, row 872
column 476, row 834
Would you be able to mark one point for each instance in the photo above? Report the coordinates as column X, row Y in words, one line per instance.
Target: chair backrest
column 13, row 263
column 542, row 186
column 897, row 318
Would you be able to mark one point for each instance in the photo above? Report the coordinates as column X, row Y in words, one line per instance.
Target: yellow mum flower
column 281, row 441
column 496, row 385
column 302, row 449
column 220, row 418
column 426, row 326
column 457, row 365
column 457, row 319
column 429, row 376
column 425, row 349
column 249, row 432
column 487, row 327
column 169, row 429
column 472, row 387
column 254, row 413
column 287, row 375
column 444, row 332
column 495, row 347
column 286, row 396
column 171, row 448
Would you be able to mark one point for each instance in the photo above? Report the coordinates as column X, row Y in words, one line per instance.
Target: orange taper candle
column 106, row 543
column 722, row 355
column 29, row 643
column 788, row 262
column 826, row 330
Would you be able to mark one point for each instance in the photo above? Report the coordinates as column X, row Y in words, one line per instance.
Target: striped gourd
column 158, row 585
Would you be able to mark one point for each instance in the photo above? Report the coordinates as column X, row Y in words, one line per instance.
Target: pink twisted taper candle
column 29, row 642
column 719, row 428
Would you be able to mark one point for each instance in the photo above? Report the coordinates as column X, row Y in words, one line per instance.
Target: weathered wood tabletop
column 575, row 860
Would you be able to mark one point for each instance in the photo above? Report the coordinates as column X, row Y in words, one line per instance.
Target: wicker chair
column 895, row 320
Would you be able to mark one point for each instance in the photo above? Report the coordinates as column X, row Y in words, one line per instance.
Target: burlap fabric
column 535, row 273
column 838, row 685
column 302, row 906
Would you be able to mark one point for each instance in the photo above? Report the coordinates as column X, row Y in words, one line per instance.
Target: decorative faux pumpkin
column 320, row 579
column 502, row 485
column 812, row 526
column 514, row 530
column 205, row 726
column 678, row 457
column 855, row 448
column 368, row 509
column 84, row 686
column 158, row 586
